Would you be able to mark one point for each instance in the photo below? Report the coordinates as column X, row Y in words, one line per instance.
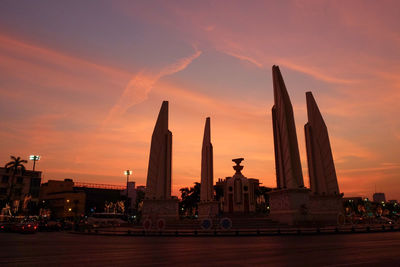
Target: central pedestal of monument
column 326, row 210
column 208, row 209
column 160, row 209
column 290, row 206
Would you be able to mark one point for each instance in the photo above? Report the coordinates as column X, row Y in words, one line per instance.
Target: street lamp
column 127, row 173
column 34, row 158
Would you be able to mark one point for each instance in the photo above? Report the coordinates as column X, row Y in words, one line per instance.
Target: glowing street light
column 34, row 158
column 128, row 172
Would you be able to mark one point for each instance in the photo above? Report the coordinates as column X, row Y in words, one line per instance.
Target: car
column 6, row 226
column 25, row 227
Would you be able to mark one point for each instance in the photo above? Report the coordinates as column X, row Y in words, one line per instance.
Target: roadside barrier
column 244, row 232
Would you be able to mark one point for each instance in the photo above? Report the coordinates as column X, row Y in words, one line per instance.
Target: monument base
column 325, row 210
column 290, row 206
column 208, row 209
column 166, row 209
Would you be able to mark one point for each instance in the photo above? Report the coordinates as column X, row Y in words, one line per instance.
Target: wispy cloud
column 33, row 52
column 243, row 57
column 261, row 60
column 142, row 83
column 371, row 169
column 312, row 72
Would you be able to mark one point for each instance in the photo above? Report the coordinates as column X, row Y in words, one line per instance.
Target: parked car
column 6, row 226
column 25, row 227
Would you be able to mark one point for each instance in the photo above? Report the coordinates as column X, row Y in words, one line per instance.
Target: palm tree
column 183, row 203
column 15, row 166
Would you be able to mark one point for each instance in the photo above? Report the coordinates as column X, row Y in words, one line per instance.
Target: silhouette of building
column 64, row 198
column 379, row 197
column 61, row 199
column 25, row 189
column 97, row 197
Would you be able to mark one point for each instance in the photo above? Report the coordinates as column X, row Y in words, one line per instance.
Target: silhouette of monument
column 321, row 169
column 288, row 203
column 158, row 184
column 239, row 192
column 158, row 202
column 207, row 175
column 287, row 158
column 207, row 206
column 291, row 202
column 325, row 199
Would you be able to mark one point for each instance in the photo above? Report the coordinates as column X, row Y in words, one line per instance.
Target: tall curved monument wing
column 321, row 167
column 158, row 186
column 207, row 176
column 287, row 158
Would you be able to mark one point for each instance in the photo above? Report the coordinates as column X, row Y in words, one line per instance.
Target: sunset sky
column 82, row 82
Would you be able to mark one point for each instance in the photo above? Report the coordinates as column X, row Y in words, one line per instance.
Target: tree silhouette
column 190, row 198
column 262, row 196
column 15, row 166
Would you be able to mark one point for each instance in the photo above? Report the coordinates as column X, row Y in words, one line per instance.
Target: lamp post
column 127, row 173
column 34, row 158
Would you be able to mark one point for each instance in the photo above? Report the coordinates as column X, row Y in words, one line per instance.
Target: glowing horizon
column 81, row 86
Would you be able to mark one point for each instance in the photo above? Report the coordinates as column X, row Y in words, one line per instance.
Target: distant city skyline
column 81, row 85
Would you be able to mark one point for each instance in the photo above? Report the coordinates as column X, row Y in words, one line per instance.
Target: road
column 64, row 249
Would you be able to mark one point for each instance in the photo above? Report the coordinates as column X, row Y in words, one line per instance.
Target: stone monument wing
column 207, row 176
column 321, row 168
column 158, row 184
column 287, row 157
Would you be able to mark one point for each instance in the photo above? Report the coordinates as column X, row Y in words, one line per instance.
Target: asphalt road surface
column 64, row 249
